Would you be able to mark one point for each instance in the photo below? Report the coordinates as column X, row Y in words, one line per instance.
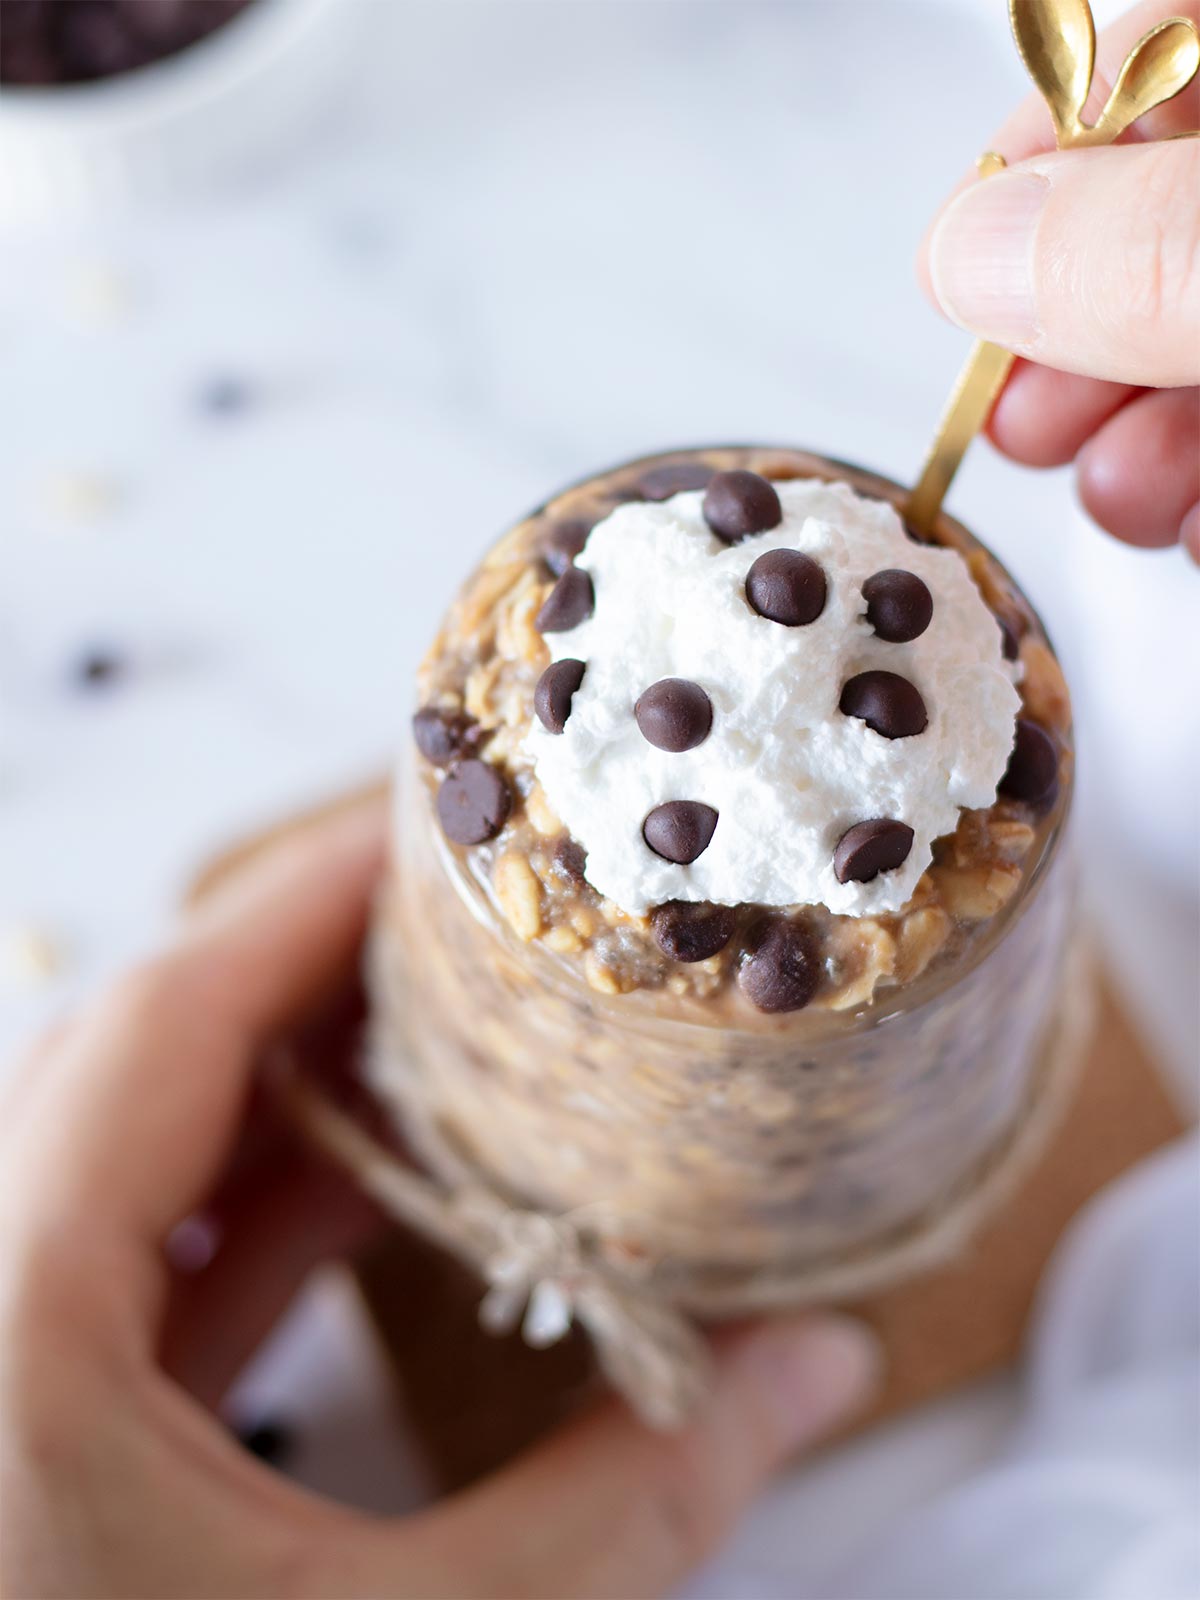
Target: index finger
column 1029, row 130
column 139, row 1108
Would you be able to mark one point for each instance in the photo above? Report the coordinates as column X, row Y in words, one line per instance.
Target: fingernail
column 981, row 257
column 819, row 1370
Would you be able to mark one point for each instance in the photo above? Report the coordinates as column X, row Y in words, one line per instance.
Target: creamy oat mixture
column 929, row 686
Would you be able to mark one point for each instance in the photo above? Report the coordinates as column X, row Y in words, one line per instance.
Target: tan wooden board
column 474, row 1399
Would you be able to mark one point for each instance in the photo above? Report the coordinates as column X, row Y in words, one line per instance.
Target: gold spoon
column 1057, row 42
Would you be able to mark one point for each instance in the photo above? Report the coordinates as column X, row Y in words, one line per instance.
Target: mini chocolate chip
column 570, row 859
column 98, row 668
column 869, row 848
column 680, row 830
column 782, row 966
column 555, row 689
column 441, row 735
column 271, row 1441
column 563, row 543
column 660, row 483
column 571, row 601
column 738, row 504
column 473, row 802
column 689, row 930
column 899, row 606
column 1032, row 771
column 886, row 702
column 787, row 587
column 674, row 714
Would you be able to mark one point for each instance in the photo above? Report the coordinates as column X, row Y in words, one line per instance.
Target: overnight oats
column 728, row 908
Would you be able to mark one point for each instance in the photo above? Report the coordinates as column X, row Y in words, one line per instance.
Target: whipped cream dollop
column 787, row 772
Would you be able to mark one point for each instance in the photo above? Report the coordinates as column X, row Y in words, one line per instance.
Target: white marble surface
column 534, row 238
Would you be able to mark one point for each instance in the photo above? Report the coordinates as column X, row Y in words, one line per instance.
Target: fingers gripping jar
column 772, row 1067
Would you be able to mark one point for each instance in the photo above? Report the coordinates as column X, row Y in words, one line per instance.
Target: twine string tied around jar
column 541, row 1272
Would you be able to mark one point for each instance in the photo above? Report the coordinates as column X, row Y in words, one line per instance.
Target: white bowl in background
column 233, row 100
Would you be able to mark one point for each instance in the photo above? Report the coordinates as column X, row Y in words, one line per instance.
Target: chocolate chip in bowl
column 46, row 42
column 111, row 106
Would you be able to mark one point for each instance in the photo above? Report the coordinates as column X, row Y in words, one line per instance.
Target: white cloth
column 1094, row 1496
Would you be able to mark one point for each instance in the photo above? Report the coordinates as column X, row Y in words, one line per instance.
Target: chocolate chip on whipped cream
column 674, row 714
column 889, row 704
column 814, row 727
column 680, row 830
column 570, row 602
column 555, row 689
column 869, row 848
column 739, row 504
column 899, row 605
column 787, row 587
column 1032, row 771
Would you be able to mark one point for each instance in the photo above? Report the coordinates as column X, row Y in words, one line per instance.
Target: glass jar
column 731, row 1148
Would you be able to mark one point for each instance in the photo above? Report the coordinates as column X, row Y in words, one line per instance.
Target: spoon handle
column 972, row 397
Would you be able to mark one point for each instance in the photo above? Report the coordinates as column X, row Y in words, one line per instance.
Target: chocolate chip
column 782, row 966
column 674, row 714
column 570, row 860
column 473, row 802
column 441, row 735
column 1010, row 644
column 680, row 830
column 689, row 930
column 563, row 543
column 738, row 504
column 886, row 702
column 786, row 586
column 46, row 43
column 869, row 848
column 899, row 606
column 660, row 483
column 571, row 601
column 1032, row 771
column 555, row 689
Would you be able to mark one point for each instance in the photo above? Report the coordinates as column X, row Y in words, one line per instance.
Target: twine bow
column 543, row 1273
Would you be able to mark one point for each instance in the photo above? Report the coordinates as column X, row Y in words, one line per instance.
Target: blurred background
column 291, row 328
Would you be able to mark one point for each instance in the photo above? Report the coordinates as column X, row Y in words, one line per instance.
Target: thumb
column 1084, row 260
column 609, row 1508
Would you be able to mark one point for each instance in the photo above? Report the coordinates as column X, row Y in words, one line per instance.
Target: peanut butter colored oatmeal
column 743, row 1090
